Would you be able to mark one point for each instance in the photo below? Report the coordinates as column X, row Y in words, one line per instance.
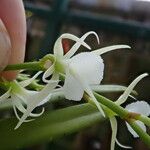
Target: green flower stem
column 144, row 119
column 28, row 65
column 143, row 135
column 127, row 116
column 123, row 113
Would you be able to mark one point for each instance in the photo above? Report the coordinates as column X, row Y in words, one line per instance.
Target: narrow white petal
column 58, row 48
column 35, row 100
column 42, row 102
column 132, row 97
column 25, row 94
column 50, row 86
column 29, row 81
column 130, row 88
column 72, row 88
column 113, row 123
column 88, row 90
column 123, row 146
column 5, row 96
column 89, row 66
column 28, row 113
column 23, row 118
column 17, row 102
column 140, row 107
column 17, row 116
column 141, row 124
column 90, row 93
column 108, row 49
column 37, row 114
column 48, row 72
column 75, row 47
column 16, row 113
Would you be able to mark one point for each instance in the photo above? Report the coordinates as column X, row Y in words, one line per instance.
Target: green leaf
column 49, row 126
column 110, row 88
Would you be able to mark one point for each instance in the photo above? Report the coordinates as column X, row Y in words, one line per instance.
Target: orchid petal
column 113, row 123
column 75, row 47
column 29, row 81
column 22, row 109
column 123, row 146
column 141, row 124
column 90, row 93
column 130, row 88
column 37, row 98
column 5, row 96
column 86, row 68
column 22, row 93
column 48, row 72
column 108, row 49
column 27, row 113
column 17, row 104
column 44, row 101
column 58, row 48
column 26, row 95
column 17, row 116
column 50, row 86
column 72, row 88
column 140, row 107
column 133, row 97
column 88, row 90
column 23, row 118
column 89, row 66
column 15, row 111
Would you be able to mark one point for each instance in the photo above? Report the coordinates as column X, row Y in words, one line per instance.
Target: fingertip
column 9, row 75
column 5, row 46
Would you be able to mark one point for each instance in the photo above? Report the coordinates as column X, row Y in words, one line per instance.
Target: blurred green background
column 116, row 22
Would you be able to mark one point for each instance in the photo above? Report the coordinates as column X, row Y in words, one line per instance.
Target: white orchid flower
column 81, row 70
column 134, row 107
column 38, row 98
column 140, row 107
column 21, row 97
column 60, row 59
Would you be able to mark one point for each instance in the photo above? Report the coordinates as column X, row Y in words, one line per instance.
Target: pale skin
column 12, row 35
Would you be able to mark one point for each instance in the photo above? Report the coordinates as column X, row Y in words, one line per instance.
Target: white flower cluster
column 81, row 71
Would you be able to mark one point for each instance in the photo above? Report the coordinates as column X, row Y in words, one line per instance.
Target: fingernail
column 5, row 46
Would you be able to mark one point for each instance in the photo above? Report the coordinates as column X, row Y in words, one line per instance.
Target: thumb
column 12, row 14
column 5, row 46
